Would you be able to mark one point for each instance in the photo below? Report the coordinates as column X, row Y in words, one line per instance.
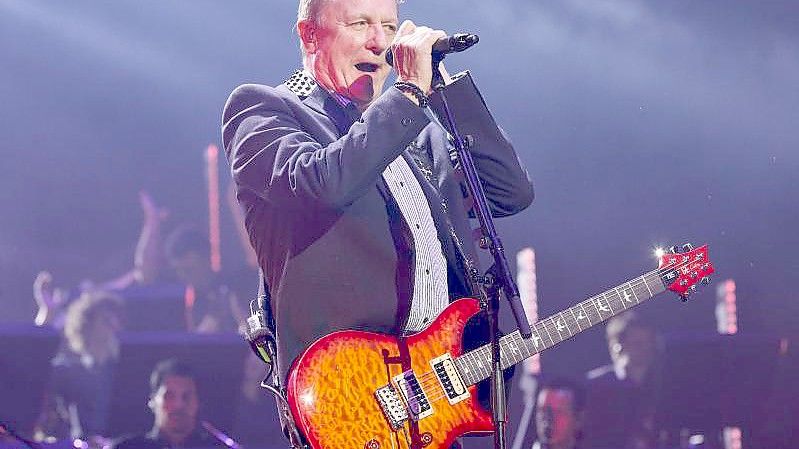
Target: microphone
column 446, row 45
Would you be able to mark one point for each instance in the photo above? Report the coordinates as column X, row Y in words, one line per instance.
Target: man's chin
column 365, row 89
column 182, row 424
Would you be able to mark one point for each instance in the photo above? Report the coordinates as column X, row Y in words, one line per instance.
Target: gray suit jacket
column 329, row 238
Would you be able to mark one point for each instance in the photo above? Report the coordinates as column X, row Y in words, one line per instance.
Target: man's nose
column 378, row 40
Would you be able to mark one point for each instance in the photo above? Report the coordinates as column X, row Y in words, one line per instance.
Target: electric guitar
column 363, row 390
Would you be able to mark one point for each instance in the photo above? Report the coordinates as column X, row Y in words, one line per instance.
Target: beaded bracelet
column 414, row 90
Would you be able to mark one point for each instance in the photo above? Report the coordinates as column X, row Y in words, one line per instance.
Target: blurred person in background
column 560, row 409
column 210, row 304
column 78, row 399
column 622, row 397
column 175, row 404
column 52, row 301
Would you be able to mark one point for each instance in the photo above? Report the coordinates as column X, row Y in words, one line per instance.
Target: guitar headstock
column 682, row 268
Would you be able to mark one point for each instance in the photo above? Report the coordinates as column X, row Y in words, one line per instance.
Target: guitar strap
column 265, row 301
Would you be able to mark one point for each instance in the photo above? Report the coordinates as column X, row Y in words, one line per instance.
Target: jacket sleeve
column 506, row 182
column 275, row 158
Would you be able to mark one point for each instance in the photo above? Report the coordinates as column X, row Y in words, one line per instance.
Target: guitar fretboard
column 476, row 365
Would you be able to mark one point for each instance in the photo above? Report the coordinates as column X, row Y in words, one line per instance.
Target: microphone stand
column 221, row 436
column 498, row 279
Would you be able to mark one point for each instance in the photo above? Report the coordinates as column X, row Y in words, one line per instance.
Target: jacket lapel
column 321, row 101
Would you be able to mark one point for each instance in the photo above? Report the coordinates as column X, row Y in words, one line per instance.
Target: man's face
column 192, row 268
column 175, row 405
column 555, row 419
column 104, row 329
column 347, row 44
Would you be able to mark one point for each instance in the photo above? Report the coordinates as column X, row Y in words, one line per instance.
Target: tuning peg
column 687, row 247
column 674, row 249
column 705, row 280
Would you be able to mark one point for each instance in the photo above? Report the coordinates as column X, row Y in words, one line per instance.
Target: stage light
column 659, row 252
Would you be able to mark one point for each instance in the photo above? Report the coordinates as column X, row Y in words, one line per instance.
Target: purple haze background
column 641, row 122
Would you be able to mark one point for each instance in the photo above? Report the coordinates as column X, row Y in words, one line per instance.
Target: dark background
column 642, row 122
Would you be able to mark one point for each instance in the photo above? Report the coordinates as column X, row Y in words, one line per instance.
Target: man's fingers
column 412, row 53
column 43, row 277
column 428, row 37
column 407, row 27
column 423, row 37
column 436, row 35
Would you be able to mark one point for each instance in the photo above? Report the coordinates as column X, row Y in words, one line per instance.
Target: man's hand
column 153, row 214
column 48, row 299
column 412, row 50
column 147, row 259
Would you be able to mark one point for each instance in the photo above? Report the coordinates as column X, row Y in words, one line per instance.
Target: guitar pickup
column 413, row 395
column 449, row 378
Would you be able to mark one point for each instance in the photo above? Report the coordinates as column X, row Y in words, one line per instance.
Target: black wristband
column 414, row 90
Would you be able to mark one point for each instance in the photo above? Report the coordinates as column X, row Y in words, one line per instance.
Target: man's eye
column 359, row 25
column 390, row 27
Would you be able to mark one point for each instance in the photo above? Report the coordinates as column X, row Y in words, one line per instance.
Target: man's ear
column 307, row 32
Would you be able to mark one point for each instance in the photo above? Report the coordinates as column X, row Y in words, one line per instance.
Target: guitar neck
column 476, row 365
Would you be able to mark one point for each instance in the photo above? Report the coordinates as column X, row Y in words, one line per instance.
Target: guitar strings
column 549, row 322
column 431, row 387
column 430, row 381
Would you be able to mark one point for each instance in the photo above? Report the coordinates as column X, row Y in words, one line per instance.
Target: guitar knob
column 692, row 288
column 684, row 297
column 674, row 249
column 706, row 280
column 687, row 247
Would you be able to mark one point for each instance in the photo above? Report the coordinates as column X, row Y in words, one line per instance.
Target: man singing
column 353, row 204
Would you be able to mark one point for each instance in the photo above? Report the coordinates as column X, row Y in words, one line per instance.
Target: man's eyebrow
column 357, row 16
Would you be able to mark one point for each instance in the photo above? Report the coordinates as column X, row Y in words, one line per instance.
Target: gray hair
column 309, row 9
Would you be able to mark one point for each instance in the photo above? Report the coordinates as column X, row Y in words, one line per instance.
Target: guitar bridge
column 392, row 406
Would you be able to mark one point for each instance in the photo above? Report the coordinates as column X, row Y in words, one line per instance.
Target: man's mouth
column 367, row 67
